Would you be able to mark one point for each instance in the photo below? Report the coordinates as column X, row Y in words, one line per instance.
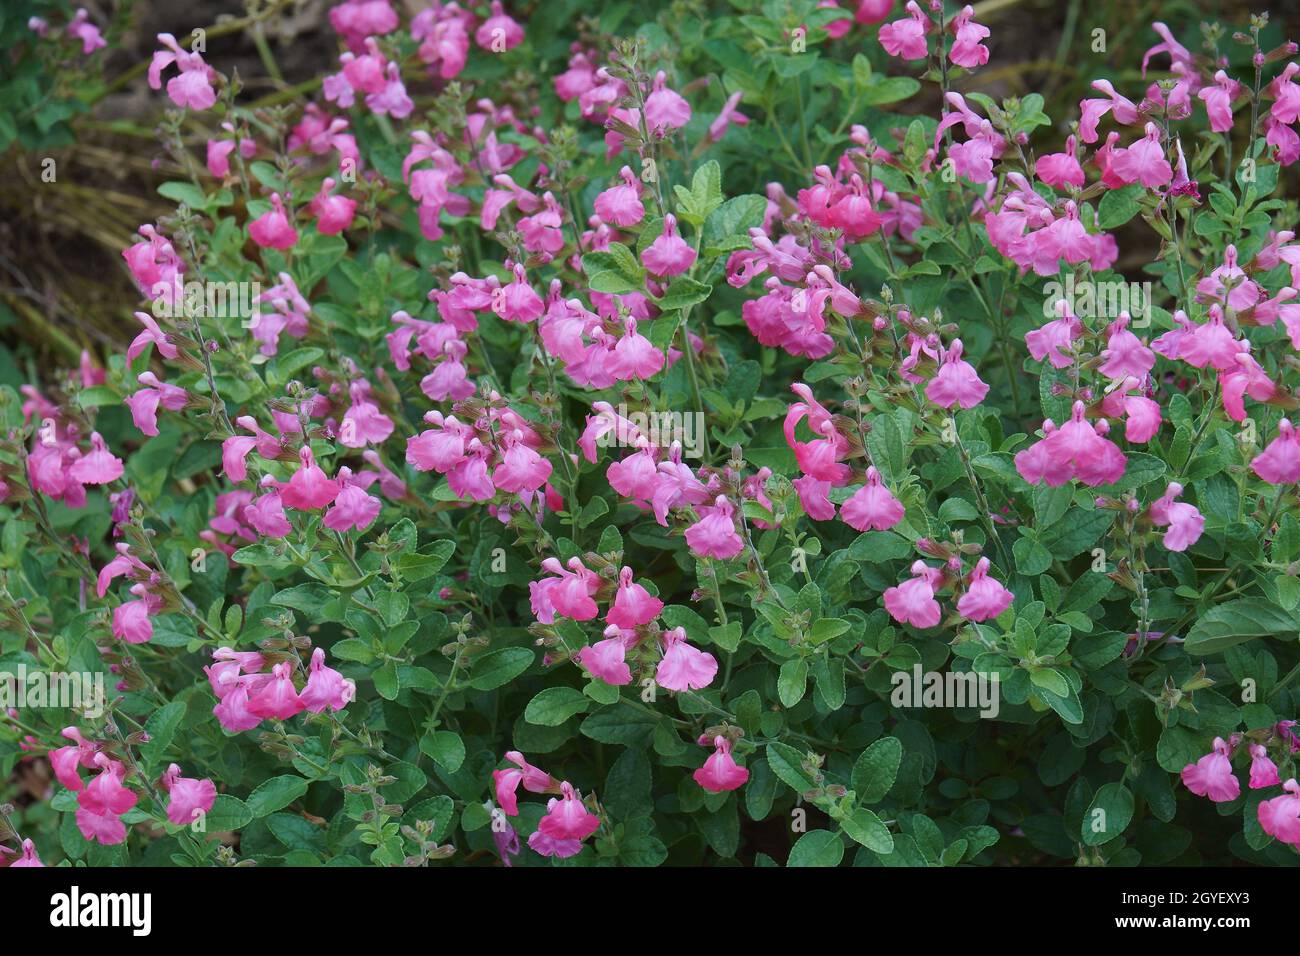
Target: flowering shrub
column 704, row 438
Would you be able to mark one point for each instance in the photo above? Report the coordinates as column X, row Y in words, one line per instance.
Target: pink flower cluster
column 567, row 821
column 247, row 694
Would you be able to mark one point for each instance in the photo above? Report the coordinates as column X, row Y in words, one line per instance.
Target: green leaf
column 866, row 828
column 1236, row 622
column 876, row 768
column 227, row 813
column 275, row 794
column 792, row 682
column 499, row 667
column 161, row 728
column 787, row 764
column 1108, row 814
column 554, row 706
column 1118, row 206
column 445, row 748
column 817, row 848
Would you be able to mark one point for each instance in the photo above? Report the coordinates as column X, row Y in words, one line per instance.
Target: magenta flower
column 665, row 109
column 1075, row 450
column 1263, row 771
column 906, row 38
column 1280, row 817
column 720, row 772
column 607, row 659
column 191, row 88
column 714, row 535
column 1212, row 775
column 985, row 598
column 29, row 859
column 912, row 601
column 956, row 382
column 326, row 688
column 1279, row 463
column 309, row 488
column 189, row 798
column 682, row 666
column 272, row 230
column 668, row 255
column 873, row 507
column 633, row 605
column 1184, row 521
column 967, row 49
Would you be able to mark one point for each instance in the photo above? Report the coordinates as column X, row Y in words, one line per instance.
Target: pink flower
column 499, row 32
column 99, row 466
column 353, row 508
column 568, row 593
column 506, row 782
column 682, row 666
column 522, row 470
column 131, row 622
column 967, row 50
column 1125, row 354
column 518, row 301
column 1279, row 463
column 1144, row 161
column 872, row 11
column 29, row 859
column 956, row 382
column 668, row 255
column 309, row 488
column 906, row 38
column 272, row 230
column 144, row 403
column 607, row 659
column 1212, row 776
column 567, row 818
column 276, row 698
column 912, row 602
column 1141, row 414
column 1184, row 521
column 192, row 87
column 103, row 801
column 729, row 116
column 1214, row 287
column 66, row 760
column 720, row 772
column 326, row 687
column 190, row 798
column 814, row 497
column 1218, row 101
column 549, row 846
column 665, row 109
column 1060, row 169
column 1048, row 341
column 1280, row 817
column 621, row 205
column 333, row 214
column 873, row 506
column 1075, row 450
column 985, row 598
column 714, row 535
column 634, row 356
column 633, row 605
column 82, row 29
column 1092, row 111
column 1263, row 771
